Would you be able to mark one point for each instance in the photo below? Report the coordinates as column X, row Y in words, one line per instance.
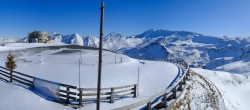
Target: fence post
column 184, row 80
column 33, row 83
column 149, row 106
column 174, row 93
column 188, row 73
column 180, row 86
column 11, row 76
column 67, row 94
column 112, row 96
column 80, row 96
column 135, row 86
column 165, row 104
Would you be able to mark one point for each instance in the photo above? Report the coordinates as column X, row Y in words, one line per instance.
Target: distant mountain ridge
column 199, row 50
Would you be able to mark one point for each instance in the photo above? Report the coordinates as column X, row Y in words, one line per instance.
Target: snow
column 91, row 41
column 74, row 39
column 7, row 40
column 61, row 65
column 210, row 52
column 215, row 53
column 14, row 97
column 235, row 88
column 239, row 67
column 148, row 52
column 18, row 46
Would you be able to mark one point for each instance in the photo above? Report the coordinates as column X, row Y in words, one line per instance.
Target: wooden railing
column 164, row 96
column 89, row 94
column 69, row 93
column 17, row 76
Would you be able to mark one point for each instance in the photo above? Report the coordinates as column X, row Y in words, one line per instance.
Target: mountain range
column 210, row 52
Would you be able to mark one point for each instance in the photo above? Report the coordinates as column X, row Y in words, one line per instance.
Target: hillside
column 223, row 54
column 214, row 53
column 209, row 52
column 60, row 63
column 215, row 90
column 234, row 88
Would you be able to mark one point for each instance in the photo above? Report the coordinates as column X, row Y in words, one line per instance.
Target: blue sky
column 128, row 17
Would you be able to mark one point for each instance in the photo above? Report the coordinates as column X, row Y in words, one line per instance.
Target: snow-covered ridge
column 199, row 50
column 7, row 40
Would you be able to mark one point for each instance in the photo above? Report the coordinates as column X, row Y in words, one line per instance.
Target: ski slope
column 62, row 65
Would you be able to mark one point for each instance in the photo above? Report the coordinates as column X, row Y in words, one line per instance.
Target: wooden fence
column 110, row 94
column 164, row 96
column 68, row 93
column 72, row 93
column 17, row 76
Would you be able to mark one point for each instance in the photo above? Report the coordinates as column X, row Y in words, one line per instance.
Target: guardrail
column 68, row 93
column 164, row 96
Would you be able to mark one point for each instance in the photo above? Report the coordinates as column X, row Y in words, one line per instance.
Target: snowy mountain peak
column 76, row 34
column 75, row 39
column 91, row 41
column 153, row 33
column 113, row 35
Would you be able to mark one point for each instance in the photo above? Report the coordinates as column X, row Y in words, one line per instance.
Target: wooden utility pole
column 100, row 60
column 115, row 56
column 80, row 62
column 138, row 81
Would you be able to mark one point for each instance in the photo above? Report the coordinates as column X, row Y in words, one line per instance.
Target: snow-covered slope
column 7, row 40
column 235, row 88
column 197, row 49
column 91, row 41
column 201, row 94
column 154, row 51
column 56, row 37
column 115, row 42
column 14, row 97
column 73, row 39
column 215, row 90
column 187, row 44
column 60, row 64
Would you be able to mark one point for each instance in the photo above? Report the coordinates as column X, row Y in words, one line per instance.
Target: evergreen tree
column 10, row 64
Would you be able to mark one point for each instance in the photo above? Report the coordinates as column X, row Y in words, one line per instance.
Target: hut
column 38, row 37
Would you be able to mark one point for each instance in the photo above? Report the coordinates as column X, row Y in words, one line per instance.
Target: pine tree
column 10, row 64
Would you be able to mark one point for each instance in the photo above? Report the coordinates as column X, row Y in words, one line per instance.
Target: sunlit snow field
column 62, row 65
